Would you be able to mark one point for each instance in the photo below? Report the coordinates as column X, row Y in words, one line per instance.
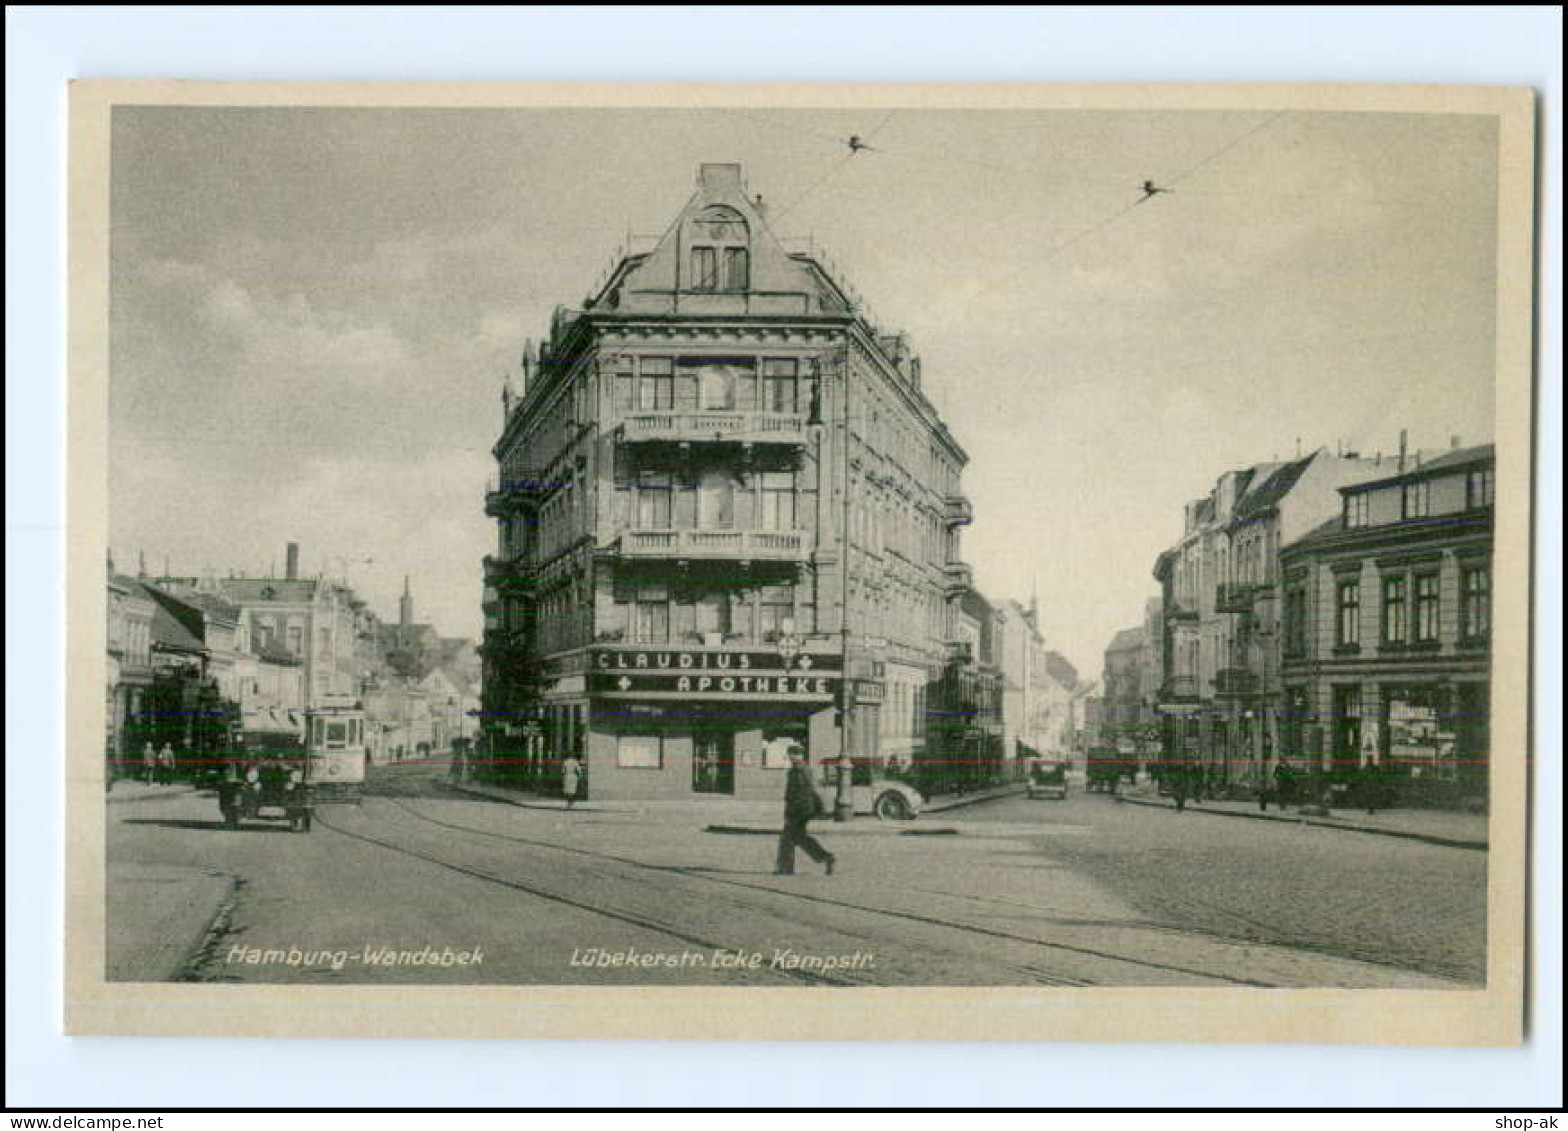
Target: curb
column 1398, row 834
column 839, row 828
column 111, row 799
column 977, row 799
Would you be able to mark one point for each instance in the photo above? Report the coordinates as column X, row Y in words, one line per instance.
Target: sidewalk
column 129, row 789
column 1434, row 826
column 161, row 915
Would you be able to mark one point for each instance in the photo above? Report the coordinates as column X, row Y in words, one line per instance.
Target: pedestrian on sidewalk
column 149, row 763
column 802, row 803
column 1179, row 788
column 166, row 764
column 571, row 772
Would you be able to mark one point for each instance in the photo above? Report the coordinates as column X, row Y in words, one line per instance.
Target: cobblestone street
column 1086, row 892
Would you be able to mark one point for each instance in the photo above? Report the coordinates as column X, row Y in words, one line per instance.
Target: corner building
column 728, row 521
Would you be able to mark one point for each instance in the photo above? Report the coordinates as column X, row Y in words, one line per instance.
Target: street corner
column 159, row 916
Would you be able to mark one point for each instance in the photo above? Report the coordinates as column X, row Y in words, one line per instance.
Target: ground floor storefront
column 1428, row 734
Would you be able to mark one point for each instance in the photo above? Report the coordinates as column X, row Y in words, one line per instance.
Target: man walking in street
column 571, row 771
column 802, row 803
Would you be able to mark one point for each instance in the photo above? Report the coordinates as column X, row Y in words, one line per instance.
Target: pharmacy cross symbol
column 623, row 683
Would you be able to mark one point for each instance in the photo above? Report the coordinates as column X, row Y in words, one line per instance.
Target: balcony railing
column 1179, row 687
column 1235, row 681
column 745, row 545
column 959, row 510
column 960, row 652
column 715, row 427
column 1176, row 611
column 509, row 574
column 505, row 496
column 960, row 575
column 1234, row 596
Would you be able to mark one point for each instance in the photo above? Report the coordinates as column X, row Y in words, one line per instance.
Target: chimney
column 1404, row 443
column 1453, row 443
column 721, row 178
column 291, row 570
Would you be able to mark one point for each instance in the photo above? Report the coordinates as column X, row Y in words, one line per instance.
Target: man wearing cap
column 802, row 803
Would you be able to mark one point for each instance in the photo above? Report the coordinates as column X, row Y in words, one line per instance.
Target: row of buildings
column 1328, row 612
column 208, row 665
column 730, row 520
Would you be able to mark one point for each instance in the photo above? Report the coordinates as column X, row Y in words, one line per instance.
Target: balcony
column 714, row 428
column 1179, row 688
column 510, row 495
column 1179, row 612
column 508, row 575
column 958, row 510
column 1234, row 682
column 959, row 576
column 960, row 652
column 714, row 545
column 1234, row 597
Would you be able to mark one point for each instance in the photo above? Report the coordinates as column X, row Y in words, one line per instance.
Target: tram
column 335, row 750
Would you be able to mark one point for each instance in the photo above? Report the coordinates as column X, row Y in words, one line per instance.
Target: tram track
column 808, row 976
column 1028, row 972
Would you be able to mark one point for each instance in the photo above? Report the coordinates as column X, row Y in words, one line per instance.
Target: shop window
column 639, row 752
column 776, row 746
column 1427, row 608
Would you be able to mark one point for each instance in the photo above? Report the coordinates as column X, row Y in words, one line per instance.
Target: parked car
column 1047, row 778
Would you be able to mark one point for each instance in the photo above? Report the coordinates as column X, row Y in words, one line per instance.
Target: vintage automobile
column 270, row 790
column 1047, row 778
column 884, row 796
column 888, row 800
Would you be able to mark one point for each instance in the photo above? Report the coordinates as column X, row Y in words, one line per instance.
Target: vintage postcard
column 907, row 562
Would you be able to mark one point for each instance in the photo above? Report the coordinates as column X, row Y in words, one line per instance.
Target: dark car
column 1047, row 778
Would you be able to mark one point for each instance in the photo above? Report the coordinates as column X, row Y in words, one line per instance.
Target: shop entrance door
column 713, row 762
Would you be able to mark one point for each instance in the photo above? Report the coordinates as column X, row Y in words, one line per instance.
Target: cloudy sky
column 313, row 311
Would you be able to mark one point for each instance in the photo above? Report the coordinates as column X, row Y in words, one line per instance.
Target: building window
column 737, row 269
column 778, row 500
column 1348, row 603
column 656, row 385
column 1296, row 622
column 1478, row 488
column 655, row 499
column 776, row 611
column 651, row 614
column 1476, row 602
column 1396, row 627
column 779, row 386
column 704, row 269
column 1426, row 608
column 639, row 752
column 1357, row 509
column 1417, row 499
